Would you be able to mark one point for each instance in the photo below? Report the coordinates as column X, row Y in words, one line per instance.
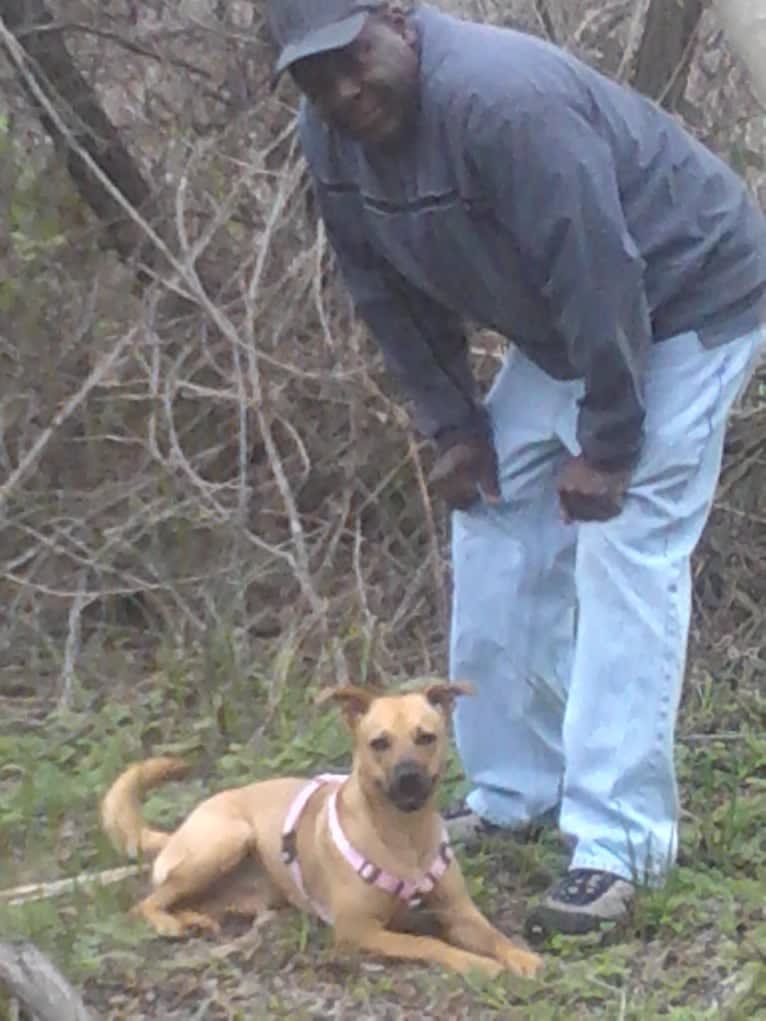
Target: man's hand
column 466, row 471
column 591, row 494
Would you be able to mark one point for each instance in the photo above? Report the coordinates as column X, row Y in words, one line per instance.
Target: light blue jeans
column 575, row 636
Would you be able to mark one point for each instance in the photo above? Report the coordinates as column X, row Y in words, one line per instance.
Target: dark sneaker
column 467, row 829
column 582, row 901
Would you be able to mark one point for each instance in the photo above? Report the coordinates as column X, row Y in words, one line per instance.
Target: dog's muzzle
column 410, row 786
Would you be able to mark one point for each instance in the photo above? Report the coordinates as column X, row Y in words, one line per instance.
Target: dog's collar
column 407, row 890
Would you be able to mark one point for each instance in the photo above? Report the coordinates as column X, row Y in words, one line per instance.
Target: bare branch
column 633, row 42
column 33, row 455
column 18, row 895
column 72, row 646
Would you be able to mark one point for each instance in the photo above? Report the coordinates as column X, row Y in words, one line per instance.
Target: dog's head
column 400, row 741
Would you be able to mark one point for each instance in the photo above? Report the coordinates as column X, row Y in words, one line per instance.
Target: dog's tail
column 121, row 816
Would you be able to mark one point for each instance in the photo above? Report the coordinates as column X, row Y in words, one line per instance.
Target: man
column 466, row 172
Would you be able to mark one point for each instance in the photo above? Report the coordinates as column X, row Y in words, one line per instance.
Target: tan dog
column 358, row 850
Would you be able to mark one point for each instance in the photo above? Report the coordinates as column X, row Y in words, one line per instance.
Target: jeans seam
column 671, row 642
column 671, row 638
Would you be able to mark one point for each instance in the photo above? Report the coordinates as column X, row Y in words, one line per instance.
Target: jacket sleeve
column 553, row 184
column 423, row 344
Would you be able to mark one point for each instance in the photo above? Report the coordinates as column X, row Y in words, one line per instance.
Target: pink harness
column 407, row 890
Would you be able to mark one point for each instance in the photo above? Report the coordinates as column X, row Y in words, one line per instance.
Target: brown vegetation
column 195, row 432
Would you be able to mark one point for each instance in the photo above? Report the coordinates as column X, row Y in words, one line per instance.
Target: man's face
column 368, row 90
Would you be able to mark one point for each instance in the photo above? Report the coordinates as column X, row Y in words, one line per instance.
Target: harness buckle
column 368, row 872
column 289, row 847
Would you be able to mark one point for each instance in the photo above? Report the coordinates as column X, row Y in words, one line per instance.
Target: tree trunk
column 78, row 104
column 662, row 65
column 744, row 22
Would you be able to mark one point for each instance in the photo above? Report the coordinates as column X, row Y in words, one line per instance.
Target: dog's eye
column 380, row 744
column 424, row 738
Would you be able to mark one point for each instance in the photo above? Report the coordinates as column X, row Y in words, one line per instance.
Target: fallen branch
column 39, row 891
column 37, row 985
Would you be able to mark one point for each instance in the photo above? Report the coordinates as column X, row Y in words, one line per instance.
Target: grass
column 694, row 950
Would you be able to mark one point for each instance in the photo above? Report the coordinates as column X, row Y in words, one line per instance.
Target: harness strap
column 407, row 890
column 290, row 831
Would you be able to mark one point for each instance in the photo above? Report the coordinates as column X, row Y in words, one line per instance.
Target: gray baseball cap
column 303, row 28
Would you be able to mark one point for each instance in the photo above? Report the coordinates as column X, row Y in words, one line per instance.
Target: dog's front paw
column 196, row 920
column 170, row 928
column 484, row 966
column 522, row 962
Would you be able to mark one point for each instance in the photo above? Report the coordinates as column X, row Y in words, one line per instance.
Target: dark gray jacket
column 541, row 199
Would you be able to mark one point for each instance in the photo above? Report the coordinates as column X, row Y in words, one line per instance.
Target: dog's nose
column 408, row 778
column 410, row 785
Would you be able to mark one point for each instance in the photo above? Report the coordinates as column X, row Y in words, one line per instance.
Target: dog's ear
column 353, row 701
column 444, row 694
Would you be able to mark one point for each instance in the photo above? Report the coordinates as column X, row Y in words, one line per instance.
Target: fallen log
column 30, row 979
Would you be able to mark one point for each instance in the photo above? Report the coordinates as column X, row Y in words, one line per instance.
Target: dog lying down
column 359, row 851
